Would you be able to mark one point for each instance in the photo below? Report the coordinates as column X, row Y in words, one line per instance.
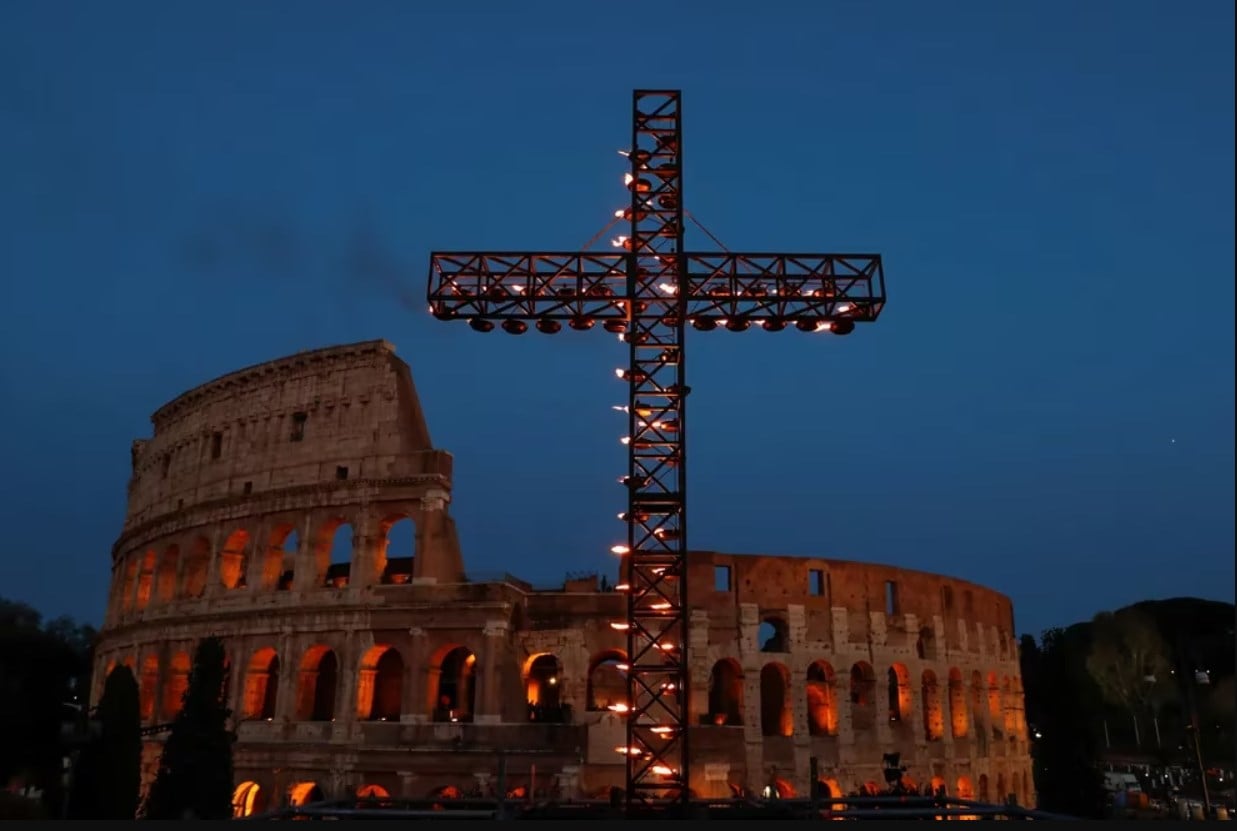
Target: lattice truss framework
column 646, row 294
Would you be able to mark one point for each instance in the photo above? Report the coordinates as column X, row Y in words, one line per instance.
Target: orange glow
column 619, row 549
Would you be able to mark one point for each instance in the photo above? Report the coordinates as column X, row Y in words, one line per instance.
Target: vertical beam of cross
column 647, row 294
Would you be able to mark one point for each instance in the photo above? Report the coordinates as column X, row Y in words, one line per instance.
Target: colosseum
column 264, row 510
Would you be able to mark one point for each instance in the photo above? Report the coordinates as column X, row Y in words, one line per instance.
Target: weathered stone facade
column 391, row 672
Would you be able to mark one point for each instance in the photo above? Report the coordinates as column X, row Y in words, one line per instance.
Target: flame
column 619, row 627
column 619, row 549
column 624, row 153
column 628, row 179
column 843, row 308
column 619, row 213
column 628, row 751
column 662, row 731
column 619, row 241
column 619, row 373
column 618, row 408
column 660, row 606
column 622, row 587
column 519, row 289
column 668, row 288
column 619, row 708
column 625, row 440
column 824, row 327
column 662, row 770
column 622, row 667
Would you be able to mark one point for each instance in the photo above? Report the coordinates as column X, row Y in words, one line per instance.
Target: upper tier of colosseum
column 318, row 417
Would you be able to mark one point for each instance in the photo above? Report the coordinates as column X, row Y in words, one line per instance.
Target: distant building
column 393, row 673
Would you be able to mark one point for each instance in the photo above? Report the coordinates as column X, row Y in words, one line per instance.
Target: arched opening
column 938, row 786
column 234, row 560
column 197, row 566
column 175, row 684
column 245, row 799
column 984, row 795
column 315, row 692
column 898, row 686
column 452, row 678
column 148, row 686
column 146, row 578
column 304, row 793
column 977, row 702
column 1028, row 797
column 372, row 792
column 822, row 708
column 725, row 694
column 933, row 718
column 607, row 680
column 996, row 719
column 1008, row 710
column 775, row 717
column 1015, row 792
column 965, row 789
column 774, row 635
column 397, row 553
column 279, row 564
column 380, row 687
column 334, row 553
column 925, row 644
column 542, row 689
column 165, row 574
column 862, row 696
column 830, row 788
column 128, row 588
column 1002, row 793
column 959, row 720
column 261, row 685
column 778, row 788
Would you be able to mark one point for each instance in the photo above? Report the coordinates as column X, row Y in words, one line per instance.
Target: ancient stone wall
column 388, row 672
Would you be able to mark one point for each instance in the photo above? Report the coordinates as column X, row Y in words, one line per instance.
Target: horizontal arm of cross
column 569, row 285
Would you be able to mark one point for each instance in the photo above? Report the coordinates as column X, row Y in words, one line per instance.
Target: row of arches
column 312, row 686
column 266, row 560
column 1000, row 700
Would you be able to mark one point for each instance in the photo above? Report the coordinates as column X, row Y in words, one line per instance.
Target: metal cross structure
column 647, row 293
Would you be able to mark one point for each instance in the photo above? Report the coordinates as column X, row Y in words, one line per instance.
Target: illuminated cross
column 647, row 293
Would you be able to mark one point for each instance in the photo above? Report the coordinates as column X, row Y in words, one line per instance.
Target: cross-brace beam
column 647, row 295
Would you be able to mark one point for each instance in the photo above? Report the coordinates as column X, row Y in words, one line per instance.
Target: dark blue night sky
column 1045, row 407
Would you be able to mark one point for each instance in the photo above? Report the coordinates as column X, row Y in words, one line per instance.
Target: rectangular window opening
column 891, row 597
column 216, row 445
column 816, row 582
column 248, row 489
column 341, row 472
column 721, row 578
column 298, row 426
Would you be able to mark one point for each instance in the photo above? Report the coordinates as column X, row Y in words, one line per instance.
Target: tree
column 195, row 769
column 1061, row 704
column 109, row 775
column 1129, row 660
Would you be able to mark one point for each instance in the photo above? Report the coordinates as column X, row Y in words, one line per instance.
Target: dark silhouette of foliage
column 108, row 776
column 44, row 668
column 195, row 770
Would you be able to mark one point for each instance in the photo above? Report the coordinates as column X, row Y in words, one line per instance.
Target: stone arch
column 1015, row 791
column 316, row 685
column 380, row 684
column 607, row 680
column 862, row 696
column 304, row 793
column 166, row 574
column 372, row 792
column 148, row 686
column 234, row 560
column 959, row 719
column 775, row 710
column 984, row 795
column 938, row 786
column 279, row 561
column 774, row 634
column 1002, row 793
column 977, row 702
column 333, row 554
column 778, row 788
column 996, row 717
column 725, row 694
column 965, row 790
column 196, row 568
column 146, row 578
column 397, row 552
column 822, row 705
column 245, row 800
column 453, row 688
column 933, row 718
column 830, row 788
column 261, row 690
column 175, row 684
column 542, row 689
column 127, row 584
column 898, row 694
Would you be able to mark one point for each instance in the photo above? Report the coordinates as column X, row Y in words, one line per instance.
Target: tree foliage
column 108, row 778
column 195, row 770
column 1129, row 660
column 44, row 668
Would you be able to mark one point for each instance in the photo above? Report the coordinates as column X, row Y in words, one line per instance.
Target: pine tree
column 195, row 770
column 109, row 774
